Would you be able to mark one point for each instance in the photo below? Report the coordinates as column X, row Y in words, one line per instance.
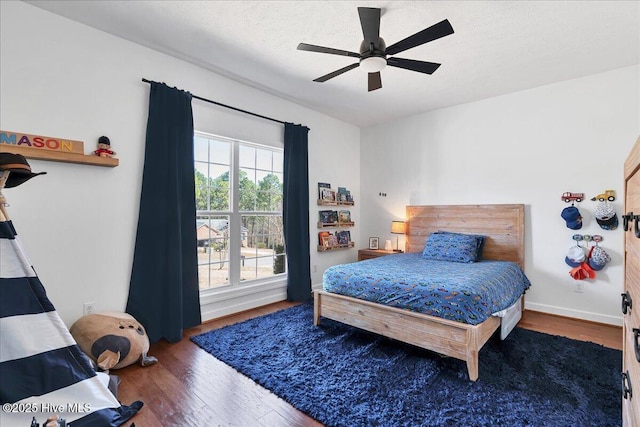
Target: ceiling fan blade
column 441, row 29
column 370, row 22
column 413, row 65
column 375, row 81
column 321, row 49
column 337, row 73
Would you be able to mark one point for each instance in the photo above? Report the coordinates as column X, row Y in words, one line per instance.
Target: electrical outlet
column 88, row 308
column 579, row 288
column 315, row 268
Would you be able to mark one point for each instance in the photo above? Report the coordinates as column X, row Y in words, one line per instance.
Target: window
column 238, row 211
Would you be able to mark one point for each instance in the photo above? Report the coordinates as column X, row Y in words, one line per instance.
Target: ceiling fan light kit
column 374, row 53
column 373, row 64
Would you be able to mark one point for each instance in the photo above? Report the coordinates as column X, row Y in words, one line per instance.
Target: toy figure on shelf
column 104, row 147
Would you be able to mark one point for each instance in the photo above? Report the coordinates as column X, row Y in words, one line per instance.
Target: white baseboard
column 577, row 314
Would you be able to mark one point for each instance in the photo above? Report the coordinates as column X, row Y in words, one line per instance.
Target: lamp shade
column 373, row 64
column 398, row 227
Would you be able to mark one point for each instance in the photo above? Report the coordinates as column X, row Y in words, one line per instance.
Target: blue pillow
column 451, row 247
column 480, row 239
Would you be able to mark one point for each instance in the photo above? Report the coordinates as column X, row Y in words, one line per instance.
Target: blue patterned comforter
column 467, row 293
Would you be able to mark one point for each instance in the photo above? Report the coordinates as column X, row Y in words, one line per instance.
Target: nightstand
column 372, row 253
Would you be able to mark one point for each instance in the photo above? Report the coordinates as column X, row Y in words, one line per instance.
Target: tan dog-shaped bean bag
column 112, row 340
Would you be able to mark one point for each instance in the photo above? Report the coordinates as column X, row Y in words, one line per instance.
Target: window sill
column 227, row 300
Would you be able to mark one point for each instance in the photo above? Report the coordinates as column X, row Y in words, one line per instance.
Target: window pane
column 203, row 169
column 220, row 189
column 220, row 152
column 219, row 172
column 270, row 193
column 264, row 159
column 202, row 186
column 247, row 190
column 247, row 156
column 278, row 161
column 263, row 248
column 201, row 148
column 213, row 250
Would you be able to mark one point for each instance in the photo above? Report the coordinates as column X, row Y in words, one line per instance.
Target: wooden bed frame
column 504, row 227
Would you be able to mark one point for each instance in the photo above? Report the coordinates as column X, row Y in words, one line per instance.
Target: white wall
column 527, row 147
column 63, row 79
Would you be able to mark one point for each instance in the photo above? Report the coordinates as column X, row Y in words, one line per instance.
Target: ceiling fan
column 374, row 53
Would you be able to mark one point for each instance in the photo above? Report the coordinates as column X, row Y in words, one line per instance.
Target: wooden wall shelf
column 333, row 248
column 336, row 224
column 59, row 156
column 329, row 203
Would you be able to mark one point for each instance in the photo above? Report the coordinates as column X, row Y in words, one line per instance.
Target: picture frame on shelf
column 374, row 243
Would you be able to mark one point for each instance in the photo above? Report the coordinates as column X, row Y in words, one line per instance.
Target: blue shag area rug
column 346, row 377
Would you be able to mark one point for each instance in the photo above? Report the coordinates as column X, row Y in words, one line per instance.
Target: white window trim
column 248, row 293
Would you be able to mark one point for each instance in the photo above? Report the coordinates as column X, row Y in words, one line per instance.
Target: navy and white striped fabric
column 42, row 370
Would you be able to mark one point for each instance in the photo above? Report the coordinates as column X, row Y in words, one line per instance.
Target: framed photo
column 373, row 242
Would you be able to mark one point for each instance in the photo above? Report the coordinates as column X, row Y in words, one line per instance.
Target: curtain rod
column 226, row 106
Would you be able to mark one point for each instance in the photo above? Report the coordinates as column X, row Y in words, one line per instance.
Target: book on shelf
column 344, row 216
column 328, row 216
column 343, row 195
column 344, row 237
column 323, row 238
column 321, row 187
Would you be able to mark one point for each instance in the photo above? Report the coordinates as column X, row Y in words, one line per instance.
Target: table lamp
column 398, row 227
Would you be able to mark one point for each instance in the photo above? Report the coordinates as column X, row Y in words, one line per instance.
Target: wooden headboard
column 502, row 224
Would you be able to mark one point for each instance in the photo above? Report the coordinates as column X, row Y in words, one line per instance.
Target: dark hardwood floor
column 190, row 388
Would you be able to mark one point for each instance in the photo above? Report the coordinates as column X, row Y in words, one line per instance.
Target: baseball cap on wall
column 599, row 258
column 606, row 216
column 573, row 218
column 575, row 257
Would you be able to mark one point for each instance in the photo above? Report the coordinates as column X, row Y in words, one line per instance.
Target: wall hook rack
column 569, row 197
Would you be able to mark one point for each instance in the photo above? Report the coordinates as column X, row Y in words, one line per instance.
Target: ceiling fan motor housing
column 373, row 49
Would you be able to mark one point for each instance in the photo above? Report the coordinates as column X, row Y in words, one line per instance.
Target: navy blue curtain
column 296, row 211
column 163, row 292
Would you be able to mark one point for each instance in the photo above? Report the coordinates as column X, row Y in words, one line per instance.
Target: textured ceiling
column 498, row 46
